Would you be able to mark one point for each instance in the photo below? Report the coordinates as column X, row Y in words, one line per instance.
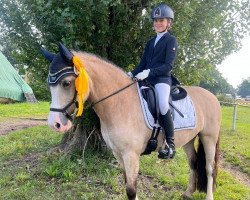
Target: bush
column 224, row 98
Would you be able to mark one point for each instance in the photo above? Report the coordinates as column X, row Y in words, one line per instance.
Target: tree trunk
column 85, row 131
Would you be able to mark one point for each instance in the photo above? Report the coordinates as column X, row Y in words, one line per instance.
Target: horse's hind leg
column 131, row 167
column 211, row 148
column 192, row 162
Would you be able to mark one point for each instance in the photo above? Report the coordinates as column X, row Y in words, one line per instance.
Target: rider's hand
column 142, row 75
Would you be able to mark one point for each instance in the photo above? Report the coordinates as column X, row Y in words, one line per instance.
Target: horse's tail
column 201, row 167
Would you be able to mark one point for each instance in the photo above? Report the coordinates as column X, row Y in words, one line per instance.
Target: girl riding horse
column 78, row 76
column 156, row 65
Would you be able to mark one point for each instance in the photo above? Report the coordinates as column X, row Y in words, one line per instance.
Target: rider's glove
column 142, row 75
column 130, row 74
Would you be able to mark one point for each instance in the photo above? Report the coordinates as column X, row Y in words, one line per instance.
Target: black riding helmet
column 162, row 11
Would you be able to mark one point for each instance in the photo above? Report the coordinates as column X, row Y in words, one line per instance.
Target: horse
column 122, row 122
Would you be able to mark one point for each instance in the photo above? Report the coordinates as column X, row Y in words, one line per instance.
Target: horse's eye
column 66, row 84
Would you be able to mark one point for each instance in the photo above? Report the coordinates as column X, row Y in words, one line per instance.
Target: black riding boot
column 166, row 123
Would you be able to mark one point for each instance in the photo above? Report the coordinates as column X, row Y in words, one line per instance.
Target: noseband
column 64, row 110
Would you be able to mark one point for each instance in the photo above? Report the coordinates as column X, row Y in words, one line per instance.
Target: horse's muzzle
column 56, row 124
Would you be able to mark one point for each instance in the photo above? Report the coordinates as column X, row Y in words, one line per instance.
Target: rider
column 156, row 65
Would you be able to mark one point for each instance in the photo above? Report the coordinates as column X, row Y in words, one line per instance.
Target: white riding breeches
column 163, row 91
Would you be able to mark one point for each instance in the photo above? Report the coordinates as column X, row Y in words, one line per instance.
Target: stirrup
column 167, row 153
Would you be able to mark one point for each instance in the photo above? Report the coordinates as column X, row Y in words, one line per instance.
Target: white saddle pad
column 185, row 106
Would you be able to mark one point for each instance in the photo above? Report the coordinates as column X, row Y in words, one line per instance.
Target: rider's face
column 161, row 25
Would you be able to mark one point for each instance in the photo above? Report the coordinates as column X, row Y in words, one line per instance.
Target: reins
column 74, row 101
column 116, row 92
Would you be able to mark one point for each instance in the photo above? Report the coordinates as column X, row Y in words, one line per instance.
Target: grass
column 27, row 141
column 25, row 110
column 235, row 144
column 30, row 170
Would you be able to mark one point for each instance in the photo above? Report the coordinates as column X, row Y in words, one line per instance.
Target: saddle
column 150, row 95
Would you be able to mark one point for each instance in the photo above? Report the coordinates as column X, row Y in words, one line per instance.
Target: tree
column 207, row 31
column 106, row 28
column 213, row 81
column 244, row 88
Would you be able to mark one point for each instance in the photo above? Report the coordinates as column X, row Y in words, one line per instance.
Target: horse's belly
column 184, row 136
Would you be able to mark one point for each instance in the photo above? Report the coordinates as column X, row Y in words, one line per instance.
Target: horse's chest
column 106, row 134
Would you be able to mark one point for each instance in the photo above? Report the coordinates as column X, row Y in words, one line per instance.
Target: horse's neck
column 105, row 79
column 119, row 111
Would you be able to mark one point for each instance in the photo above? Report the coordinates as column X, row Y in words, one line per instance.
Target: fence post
column 234, row 115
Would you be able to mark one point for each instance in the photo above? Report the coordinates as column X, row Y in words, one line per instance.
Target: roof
column 12, row 86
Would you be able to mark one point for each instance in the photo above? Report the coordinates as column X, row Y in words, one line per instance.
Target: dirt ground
column 13, row 124
column 235, row 171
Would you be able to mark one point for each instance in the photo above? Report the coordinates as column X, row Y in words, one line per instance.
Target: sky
column 236, row 67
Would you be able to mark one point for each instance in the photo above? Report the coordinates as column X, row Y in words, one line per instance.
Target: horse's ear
column 49, row 56
column 65, row 53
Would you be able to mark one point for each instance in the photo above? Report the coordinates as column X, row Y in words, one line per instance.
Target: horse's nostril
column 57, row 125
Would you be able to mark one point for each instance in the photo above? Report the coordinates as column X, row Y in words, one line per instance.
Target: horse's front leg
column 131, row 168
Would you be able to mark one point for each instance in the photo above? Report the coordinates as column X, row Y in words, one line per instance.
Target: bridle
column 74, row 101
column 64, row 109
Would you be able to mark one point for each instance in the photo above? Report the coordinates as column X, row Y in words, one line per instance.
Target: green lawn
column 38, row 110
column 235, row 144
column 29, row 170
